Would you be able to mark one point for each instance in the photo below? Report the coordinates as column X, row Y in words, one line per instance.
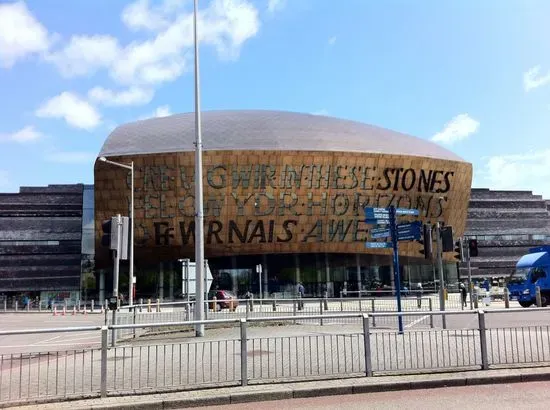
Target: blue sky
column 473, row 76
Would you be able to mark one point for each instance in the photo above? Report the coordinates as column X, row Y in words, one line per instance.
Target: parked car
column 224, row 299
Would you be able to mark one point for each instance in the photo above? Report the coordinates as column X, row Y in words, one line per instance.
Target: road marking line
column 416, row 321
column 46, row 341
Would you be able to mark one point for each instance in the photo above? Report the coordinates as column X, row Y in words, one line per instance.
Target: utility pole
column 439, row 249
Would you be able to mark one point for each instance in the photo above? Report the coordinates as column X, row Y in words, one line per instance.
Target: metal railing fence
column 241, row 354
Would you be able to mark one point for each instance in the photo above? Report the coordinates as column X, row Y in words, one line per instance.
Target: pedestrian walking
column 463, row 293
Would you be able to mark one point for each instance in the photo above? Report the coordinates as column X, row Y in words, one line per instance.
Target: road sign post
column 396, row 275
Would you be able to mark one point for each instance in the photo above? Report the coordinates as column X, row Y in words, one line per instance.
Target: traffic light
column 111, row 231
column 459, row 249
column 447, row 240
column 472, row 247
column 106, row 227
column 426, row 241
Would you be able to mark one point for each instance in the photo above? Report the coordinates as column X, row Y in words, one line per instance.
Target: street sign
column 410, row 225
column 378, row 245
column 378, row 235
column 405, row 211
column 408, row 237
column 371, row 221
column 377, row 213
column 379, row 230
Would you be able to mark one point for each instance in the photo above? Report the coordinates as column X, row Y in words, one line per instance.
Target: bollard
column 231, row 305
column 483, row 340
column 294, row 308
column 274, row 304
column 78, row 305
column 213, row 304
column 92, row 306
column 149, row 310
column 431, row 305
column 326, row 301
column 476, row 300
column 373, row 305
column 158, row 305
column 244, row 354
column 29, row 306
column 538, row 296
column 419, row 300
column 5, row 305
column 446, row 293
column 506, row 298
column 39, row 305
column 65, row 305
column 16, row 306
column 247, row 309
column 360, row 307
column 366, row 344
column 320, row 312
column 251, row 302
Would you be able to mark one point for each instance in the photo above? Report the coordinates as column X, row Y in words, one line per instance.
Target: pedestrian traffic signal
column 472, row 247
column 426, row 241
column 459, row 249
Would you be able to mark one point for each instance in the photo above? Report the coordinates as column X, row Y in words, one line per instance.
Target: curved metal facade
column 270, row 201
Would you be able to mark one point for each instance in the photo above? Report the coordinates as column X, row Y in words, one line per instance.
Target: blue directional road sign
column 378, row 245
column 409, row 231
column 381, row 234
column 380, row 230
column 377, row 213
column 405, row 211
column 370, row 221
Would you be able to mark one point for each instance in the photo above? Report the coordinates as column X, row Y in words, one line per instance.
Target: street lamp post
column 131, row 277
column 199, row 235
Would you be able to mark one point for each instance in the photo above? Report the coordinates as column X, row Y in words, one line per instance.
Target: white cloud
column 320, row 112
column 332, row 41
column 71, row 157
column 519, row 171
column 84, row 55
column 224, row 24
column 459, row 128
column 141, row 16
column 24, row 135
column 21, row 34
column 74, row 110
column 130, row 96
column 162, row 111
column 275, row 5
column 533, row 79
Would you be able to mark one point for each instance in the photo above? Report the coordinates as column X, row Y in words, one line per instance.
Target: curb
column 259, row 393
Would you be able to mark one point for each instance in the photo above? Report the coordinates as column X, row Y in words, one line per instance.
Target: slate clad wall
column 506, row 224
column 27, row 221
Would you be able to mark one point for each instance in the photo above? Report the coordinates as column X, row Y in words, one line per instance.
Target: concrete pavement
column 233, row 395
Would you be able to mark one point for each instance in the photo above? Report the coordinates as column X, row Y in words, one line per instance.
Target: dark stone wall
column 27, row 219
column 506, row 224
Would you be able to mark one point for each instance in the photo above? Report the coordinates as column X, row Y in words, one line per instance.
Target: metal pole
column 199, row 236
column 470, row 287
column 439, row 247
column 396, row 275
column 131, row 274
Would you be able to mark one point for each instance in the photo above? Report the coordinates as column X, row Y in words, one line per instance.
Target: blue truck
column 532, row 270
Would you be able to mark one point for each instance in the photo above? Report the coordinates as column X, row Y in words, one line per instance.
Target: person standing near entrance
column 301, row 292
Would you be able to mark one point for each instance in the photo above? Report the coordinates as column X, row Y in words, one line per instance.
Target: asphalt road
column 47, row 341
column 534, row 395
